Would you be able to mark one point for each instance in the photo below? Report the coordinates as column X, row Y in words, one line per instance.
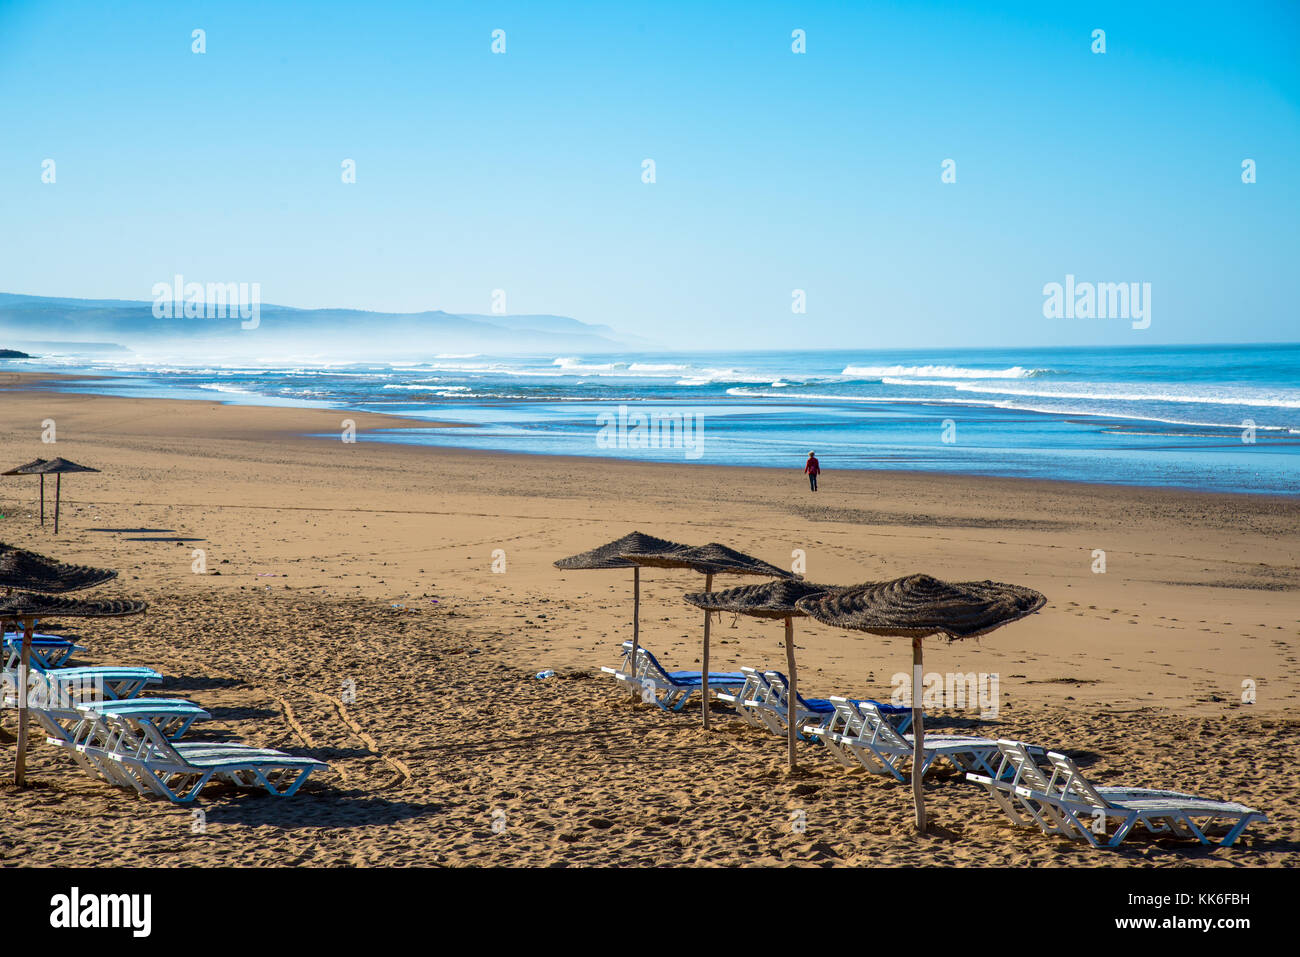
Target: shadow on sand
column 241, row 714
column 314, row 806
column 197, row 683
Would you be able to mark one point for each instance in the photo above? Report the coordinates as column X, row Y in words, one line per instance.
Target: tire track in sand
column 307, row 739
column 403, row 772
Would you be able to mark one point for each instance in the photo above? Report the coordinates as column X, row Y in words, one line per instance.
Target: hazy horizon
column 266, row 338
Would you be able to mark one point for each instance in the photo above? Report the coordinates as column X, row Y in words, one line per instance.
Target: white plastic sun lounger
column 1021, row 780
column 1160, row 812
column 178, row 771
column 669, row 689
column 750, row 699
column 171, row 716
column 814, row 714
column 54, row 697
column 1012, row 785
column 47, row 651
column 102, row 681
column 1084, row 811
column 90, row 738
column 879, row 748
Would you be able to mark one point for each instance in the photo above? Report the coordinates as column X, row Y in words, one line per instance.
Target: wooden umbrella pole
column 636, row 627
column 704, row 678
column 918, row 736
column 20, row 760
column 58, row 488
column 42, row 499
column 792, row 703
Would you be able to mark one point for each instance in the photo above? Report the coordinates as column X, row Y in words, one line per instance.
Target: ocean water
column 1220, row 418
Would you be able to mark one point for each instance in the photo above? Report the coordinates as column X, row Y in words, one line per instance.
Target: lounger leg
column 1177, row 826
column 981, row 761
column 836, row 749
column 889, row 763
column 1076, row 827
column 1122, row 831
column 1049, row 819
column 928, row 759
column 1189, row 828
column 141, row 781
column 869, row 760
column 286, row 792
column 676, row 701
column 91, row 768
column 193, row 792
column 802, row 726
column 1008, row 807
column 772, row 721
column 892, row 762
column 1231, row 837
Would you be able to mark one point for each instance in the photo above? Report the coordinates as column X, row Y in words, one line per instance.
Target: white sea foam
column 1012, row 405
column 426, row 386
column 576, row 365
column 233, row 390
column 940, row 372
column 656, row 368
column 745, row 392
column 710, row 376
column 1120, row 392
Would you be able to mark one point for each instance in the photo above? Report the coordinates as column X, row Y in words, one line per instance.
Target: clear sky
column 775, row 171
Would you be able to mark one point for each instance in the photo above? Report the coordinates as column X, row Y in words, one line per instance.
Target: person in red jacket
column 812, row 469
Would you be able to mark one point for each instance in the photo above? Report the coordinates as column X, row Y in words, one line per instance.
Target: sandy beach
column 370, row 566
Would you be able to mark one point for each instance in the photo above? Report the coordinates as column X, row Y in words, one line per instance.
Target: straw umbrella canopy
column 711, row 559
column 26, row 608
column 18, row 470
column 610, row 555
column 916, row 606
column 57, row 467
column 774, row 599
column 31, row 571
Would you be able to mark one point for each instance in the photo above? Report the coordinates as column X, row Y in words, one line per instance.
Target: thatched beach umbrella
column 18, row 470
column 610, row 555
column 776, row 599
column 30, row 571
column 57, row 467
column 916, row 606
column 26, row 607
column 33, row 572
column 711, row 559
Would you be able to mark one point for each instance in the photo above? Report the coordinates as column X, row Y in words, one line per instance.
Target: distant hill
column 13, row 354
column 79, row 345
column 351, row 332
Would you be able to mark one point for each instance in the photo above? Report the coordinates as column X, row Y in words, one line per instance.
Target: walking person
column 812, row 469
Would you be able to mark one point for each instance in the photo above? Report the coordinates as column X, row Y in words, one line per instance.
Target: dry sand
column 370, row 565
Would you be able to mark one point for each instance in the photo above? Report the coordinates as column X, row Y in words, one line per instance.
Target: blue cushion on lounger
column 715, row 677
column 822, row 706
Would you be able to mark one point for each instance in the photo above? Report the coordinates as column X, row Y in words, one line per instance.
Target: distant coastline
column 203, row 318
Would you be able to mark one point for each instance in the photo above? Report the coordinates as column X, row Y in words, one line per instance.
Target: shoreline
column 28, row 383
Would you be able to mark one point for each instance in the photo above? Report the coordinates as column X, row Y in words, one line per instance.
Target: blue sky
column 775, row 171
